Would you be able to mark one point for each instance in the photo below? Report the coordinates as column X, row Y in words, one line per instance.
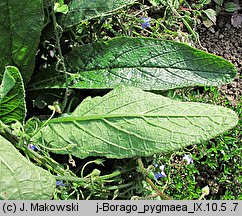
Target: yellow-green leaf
column 20, row 179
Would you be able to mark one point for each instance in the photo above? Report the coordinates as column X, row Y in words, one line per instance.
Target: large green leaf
column 150, row 64
column 129, row 122
column 88, row 9
column 20, row 179
column 12, row 96
column 20, row 29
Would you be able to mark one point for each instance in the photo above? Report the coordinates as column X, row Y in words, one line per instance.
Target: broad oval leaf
column 88, row 9
column 20, row 179
column 12, row 96
column 128, row 122
column 20, row 29
column 150, row 64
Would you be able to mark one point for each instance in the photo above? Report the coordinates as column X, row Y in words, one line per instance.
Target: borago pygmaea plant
column 125, row 123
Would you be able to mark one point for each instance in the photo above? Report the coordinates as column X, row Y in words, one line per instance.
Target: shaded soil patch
column 226, row 41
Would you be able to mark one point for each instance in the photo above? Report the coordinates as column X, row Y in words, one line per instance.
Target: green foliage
column 231, row 7
column 130, row 123
column 12, row 97
column 217, row 163
column 228, row 6
column 20, row 179
column 86, row 9
column 124, row 124
column 219, row 2
column 60, row 7
column 20, row 28
column 211, row 14
column 150, row 64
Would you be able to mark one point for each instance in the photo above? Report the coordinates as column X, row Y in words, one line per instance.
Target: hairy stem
column 58, row 33
column 161, row 194
column 84, row 180
column 7, row 133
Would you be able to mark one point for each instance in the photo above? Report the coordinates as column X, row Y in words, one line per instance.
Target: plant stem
column 45, row 123
column 58, row 33
column 84, row 180
column 196, row 36
column 47, row 162
column 201, row 197
column 114, row 174
column 81, row 181
column 7, row 133
column 161, row 194
column 120, row 186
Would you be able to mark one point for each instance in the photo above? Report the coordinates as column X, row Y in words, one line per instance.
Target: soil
column 226, row 41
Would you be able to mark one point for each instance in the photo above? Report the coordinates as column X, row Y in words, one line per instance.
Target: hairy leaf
column 150, row 64
column 20, row 179
column 128, row 122
column 88, row 9
column 20, row 29
column 12, row 96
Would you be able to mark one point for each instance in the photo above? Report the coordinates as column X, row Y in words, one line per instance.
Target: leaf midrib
column 128, row 67
column 118, row 116
column 84, row 70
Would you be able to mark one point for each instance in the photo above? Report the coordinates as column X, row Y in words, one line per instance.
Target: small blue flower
column 145, row 22
column 155, row 165
column 161, row 174
column 187, row 158
column 60, row 183
column 32, row 147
